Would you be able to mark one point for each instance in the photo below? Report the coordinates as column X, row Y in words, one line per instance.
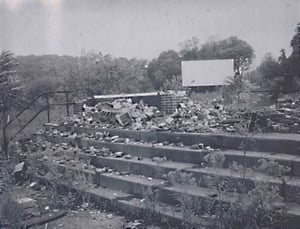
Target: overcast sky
column 142, row 28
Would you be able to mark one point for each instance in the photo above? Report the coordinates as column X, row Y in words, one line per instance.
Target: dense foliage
column 231, row 48
column 95, row 73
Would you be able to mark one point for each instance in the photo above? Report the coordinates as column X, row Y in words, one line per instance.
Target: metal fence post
column 48, row 108
column 5, row 146
column 67, row 98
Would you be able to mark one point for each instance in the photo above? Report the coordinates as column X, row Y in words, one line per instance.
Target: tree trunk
column 4, row 144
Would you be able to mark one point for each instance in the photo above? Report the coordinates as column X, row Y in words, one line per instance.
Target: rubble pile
column 283, row 120
column 121, row 112
column 194, row 117
column 188, row 117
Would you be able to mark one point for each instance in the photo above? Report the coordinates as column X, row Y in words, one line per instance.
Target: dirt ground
column 91, row 219
column 84, row 217
column 40, row 201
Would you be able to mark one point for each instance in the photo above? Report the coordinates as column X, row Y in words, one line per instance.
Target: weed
column 11, row 212
column 260, row 207
column 83, row 182
column 178, row 177
column 272, row 168
column 215, row 159
column 190, row 208
column 151, row 202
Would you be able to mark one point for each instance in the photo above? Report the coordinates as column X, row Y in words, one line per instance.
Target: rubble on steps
column 32, row 203
column 189, row 116
column 120, row 112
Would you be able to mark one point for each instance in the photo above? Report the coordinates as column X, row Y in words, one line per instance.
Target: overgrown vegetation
column 233, row 206
column 11, row 212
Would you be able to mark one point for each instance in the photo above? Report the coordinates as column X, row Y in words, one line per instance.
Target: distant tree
column 103, row 74
column 283, row 73
column 231, row 48
column 271, row 72
column 282, row 58
column 164, row 68
column 291, row 65
column 39, row 86
column 295, row 43
column 175, row 83
column 9, row 88
column 189, row 49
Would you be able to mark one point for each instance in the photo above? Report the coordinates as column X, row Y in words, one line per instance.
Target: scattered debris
column 109, row 216
column 20, row 172
column 189, row 116
column 133, row 225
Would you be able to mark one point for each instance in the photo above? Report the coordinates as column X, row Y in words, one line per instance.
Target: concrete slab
column 185, row 155
column 270, row 142
column 133, row 184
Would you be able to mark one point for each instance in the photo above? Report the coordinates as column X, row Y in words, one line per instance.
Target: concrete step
column 134, row 184
column 119, row 201
column 153, row 194
column 145, row 166
column 267, row 142
column 238, row 181
column 186, row 155
column 112, row 200
column 233, row 180
column 145, row 187
column 149, row 193
column 175, row 216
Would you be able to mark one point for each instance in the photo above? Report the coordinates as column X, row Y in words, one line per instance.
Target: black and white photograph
column 149, row 114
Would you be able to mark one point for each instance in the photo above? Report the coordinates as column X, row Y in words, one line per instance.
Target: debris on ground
column 20, row 172
column 133, row 225
column 190, row 116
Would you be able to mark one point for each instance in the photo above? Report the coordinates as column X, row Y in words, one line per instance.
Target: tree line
column 95, row 73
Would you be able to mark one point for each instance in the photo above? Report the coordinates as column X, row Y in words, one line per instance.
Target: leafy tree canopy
column 230, row 48
column 8, row 82
column 165, row 67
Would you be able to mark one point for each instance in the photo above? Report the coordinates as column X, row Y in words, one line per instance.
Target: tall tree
column 283, row 73
column 291, row 66
column 271, row 72
column 104, row 74
column 166, row 67
column 231, row 48
column 189, row 49
column 8, row 88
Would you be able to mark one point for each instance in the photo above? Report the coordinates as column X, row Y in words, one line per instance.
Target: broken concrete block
column 124, row 119
column 118, row 154
column 109, row 216
column 33, row 184
column 113, row 138
column 20, row 171
column 159, row 159
column 99, row 135
column 101, row 170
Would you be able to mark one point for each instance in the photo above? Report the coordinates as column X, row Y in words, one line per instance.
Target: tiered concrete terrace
column 138, row 184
